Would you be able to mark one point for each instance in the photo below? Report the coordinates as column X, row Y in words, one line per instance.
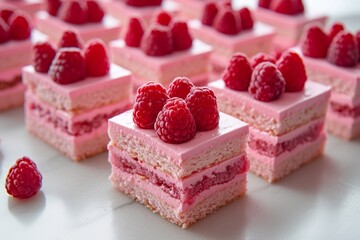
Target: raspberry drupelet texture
column 134, row 33
column 261, row 57
column 150, row 99
column 180, row 87
column 343, row 50
column 96, row 58
column 44, row 53
column 24, row 179
column 157, row 41
column 314, row 42
column 209, row 13
column 237, row 75
column 70, row 39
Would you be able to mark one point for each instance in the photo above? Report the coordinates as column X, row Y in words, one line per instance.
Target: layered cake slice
column 332, row 58
column 286, row 128
column 229, row 31
column 161, row 52
column 70, row 96
column 87, row 18
column 289, row 19
column 15, row 52
column 181, row 158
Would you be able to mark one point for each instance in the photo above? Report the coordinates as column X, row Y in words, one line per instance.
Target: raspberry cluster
column 176, row 113
column 287, row 7
column 163, row 36
column 224, row 19
column 69, row 63
column 265, row 77
column 338, row 46
column 14, row 25
column 76, row 11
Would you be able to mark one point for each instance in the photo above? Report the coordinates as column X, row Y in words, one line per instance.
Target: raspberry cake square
column 15, row 52
column 332, row 58
column 286, row 128
column 71, row 95
column 87, row 18
column 184, row 162
column 289, row 19
column 229, row 31
column 161, row 52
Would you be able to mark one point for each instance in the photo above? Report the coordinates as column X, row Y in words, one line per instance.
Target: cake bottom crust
column 12, row 97
column 275, row 170
column 232, row 191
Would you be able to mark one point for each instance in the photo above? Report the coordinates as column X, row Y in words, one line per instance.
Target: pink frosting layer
column 15, row 54
column 10, row 74
column 280, row 108
column 116, row 76
column 227, row 129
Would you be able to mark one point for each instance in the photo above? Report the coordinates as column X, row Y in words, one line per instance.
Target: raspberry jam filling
column 8, row 84
column 271, row 150
column 186, row 195
column 78, row 128
column 345, row 110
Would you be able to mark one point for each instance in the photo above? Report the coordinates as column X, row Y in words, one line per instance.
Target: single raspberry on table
column 237, row 74
column 95, row 13
column 209, row 13
column 157, row 41
column 293, row 70
column 53, row 6
column 334, row 30
column 96, row 58
column 44, row 53
column 314, row 42
column 163, row 18
column 181, row 37
column 180, row 87
column 261, row 57
column 68, row 66
column 24, row 179
column 267, row 83
column 4, row 31
column 343, row 50
column 20, row 28
column 202, row 103
column 227, row 22
column 73, row 11
column 70, row 39
column 246, row 19
column 175, row 123
column 134, row 32
column 150, row 99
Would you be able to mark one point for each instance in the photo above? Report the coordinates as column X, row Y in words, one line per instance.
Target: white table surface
column 77, row 201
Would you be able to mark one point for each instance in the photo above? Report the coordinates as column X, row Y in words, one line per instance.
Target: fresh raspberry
column 181, row 37
column 73, row 11
column 343, row 50
column 180, row 87
column 246, row 19
column 143, row 3
column 95, row 13
column 24, row 179
column 19, row 27
column 202, row 103
column 53, row 6
column 68, row 66
column 175, row 123
column 134, row 33
column 358, row 40
column 227, row 22
column 162, row 18
column 267, row 83
column 292, row 68
column 264, row 3
column 237, row 75
column 70, row 39
column 6, row 13
column 209, row 13
column 150, row 99
column 157, row 41
column 298, row 6
column 287, row 7
column 334, row 30
column 314, row 42
column 44, row 53
column 96, row 58
column 261, row 57
column 4, row 31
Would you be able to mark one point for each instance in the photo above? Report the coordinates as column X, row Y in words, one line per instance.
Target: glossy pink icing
column 227, row 129
column 280, row 108
column 116, row 76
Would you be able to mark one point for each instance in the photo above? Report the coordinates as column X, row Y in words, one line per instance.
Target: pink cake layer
column 189, row 63
column 287, row 26
column 226, row 141
column 76, row 136
column 275, row 168
column 138, row 188
column 107, row 30
column 15, row 54
column 11, row 89
column 287, row 113
column 81, row 96
column 28, row 6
